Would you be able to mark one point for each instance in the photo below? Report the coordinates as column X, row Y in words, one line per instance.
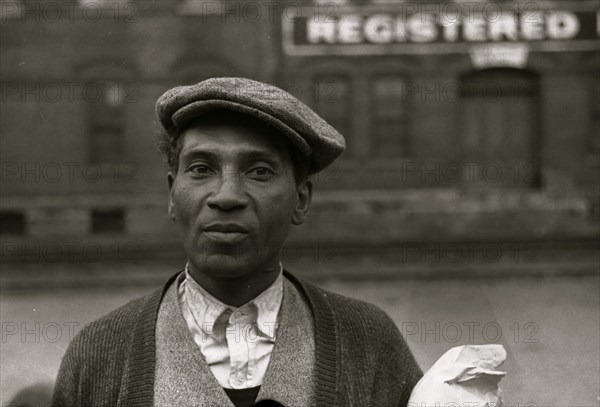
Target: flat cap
column 316, row 140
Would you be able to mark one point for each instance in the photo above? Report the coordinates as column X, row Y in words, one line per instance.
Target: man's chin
column 225, row 265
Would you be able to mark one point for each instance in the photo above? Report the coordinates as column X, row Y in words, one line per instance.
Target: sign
column 438, row 28
column 499, row 55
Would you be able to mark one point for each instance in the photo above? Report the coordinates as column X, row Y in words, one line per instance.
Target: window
column 389, row 117
column 12, row 223
column 108, row 221
column 190, row 72
column 115, row 10
column 199, row 7
column 107, row 4
column 106, row 121
column 594, row 133
column 331, row 98
column 501, row 127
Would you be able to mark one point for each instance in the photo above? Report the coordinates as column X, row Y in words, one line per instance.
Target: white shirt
column 236, row 342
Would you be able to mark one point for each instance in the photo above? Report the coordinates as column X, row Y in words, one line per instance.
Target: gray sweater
column 360, row 357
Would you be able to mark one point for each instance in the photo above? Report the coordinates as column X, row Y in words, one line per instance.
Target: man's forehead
column 219, row 139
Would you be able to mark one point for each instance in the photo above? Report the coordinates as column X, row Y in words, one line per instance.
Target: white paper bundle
column 463, row 376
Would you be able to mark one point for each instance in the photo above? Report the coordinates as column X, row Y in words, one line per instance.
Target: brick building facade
column 462, row 124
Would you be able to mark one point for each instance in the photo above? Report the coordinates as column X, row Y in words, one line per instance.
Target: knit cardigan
column 361, row 358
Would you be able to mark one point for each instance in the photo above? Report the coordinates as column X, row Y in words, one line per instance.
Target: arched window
column 12, row 222
column 500, row 128
column 189, row 72
column 106, row 122
column 593, row 146
column 106, row 93
column 389, row 116
column 331, row 100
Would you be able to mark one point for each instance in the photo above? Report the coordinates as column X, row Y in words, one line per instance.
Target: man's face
column 234, row 198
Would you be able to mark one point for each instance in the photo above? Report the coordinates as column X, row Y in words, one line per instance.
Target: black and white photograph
column 300, row 203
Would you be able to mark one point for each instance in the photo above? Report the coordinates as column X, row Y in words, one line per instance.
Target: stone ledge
column 430, row 261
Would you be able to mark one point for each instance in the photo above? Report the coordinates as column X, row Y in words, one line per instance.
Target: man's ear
column 171, row 207
column 304, row 191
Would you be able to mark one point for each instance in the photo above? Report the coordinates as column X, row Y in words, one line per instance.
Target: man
column 234, row 328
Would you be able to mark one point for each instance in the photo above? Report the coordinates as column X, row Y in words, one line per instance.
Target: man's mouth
column 225, row 232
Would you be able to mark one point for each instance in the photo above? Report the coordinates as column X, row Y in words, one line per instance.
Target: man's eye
column 201, row 170
column 261, row 172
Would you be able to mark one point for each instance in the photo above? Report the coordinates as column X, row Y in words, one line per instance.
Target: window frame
column 375, row 117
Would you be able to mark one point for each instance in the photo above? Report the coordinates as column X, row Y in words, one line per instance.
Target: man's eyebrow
column 212, row 154
column 261, row 155
column 199, row 153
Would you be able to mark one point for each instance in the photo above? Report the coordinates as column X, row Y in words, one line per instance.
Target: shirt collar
column 209, row 311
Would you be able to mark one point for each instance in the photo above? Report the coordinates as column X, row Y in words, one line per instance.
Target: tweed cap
column 316, row 140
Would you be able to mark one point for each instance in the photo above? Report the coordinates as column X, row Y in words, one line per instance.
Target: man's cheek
column 182, row 215
column 187, row 204
column 275, row 230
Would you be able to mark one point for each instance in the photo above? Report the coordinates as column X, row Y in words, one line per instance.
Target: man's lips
column 225, row 232
column 226, row 228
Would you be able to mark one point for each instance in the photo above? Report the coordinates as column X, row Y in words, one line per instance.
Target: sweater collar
column 140, row 389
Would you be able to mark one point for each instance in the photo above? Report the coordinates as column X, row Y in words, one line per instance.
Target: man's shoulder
column 370, row 346
column 113, row 329
column 355, row 312
column 352, row 314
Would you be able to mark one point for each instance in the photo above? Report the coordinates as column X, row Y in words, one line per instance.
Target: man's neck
column 236, row 291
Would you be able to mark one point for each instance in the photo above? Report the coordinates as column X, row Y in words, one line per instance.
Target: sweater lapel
column 290, row 375
column 143, row 351
column 182, row 377
column 327, row 347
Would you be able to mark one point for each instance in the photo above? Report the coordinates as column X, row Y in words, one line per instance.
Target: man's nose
column 229, row 194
